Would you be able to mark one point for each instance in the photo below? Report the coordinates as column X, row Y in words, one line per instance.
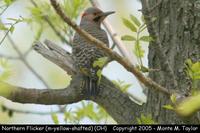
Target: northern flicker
column 85, row 54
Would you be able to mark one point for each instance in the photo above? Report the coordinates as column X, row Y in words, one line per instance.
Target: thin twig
column 113, row 46
column 7, row 32
column 62, row 38
column 112, row 54
column 4, row 10
column 27, row 52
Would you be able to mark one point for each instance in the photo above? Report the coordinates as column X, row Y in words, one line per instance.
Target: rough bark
column 178, row 27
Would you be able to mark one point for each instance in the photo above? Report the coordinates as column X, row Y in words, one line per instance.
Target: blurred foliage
column 189, row 106
column 145, row 120
column 5, row 69
column 8, row 2
column 173, row 99
column 5, row 73
column 100, row 63
column 122, row 85
column 11, row 27
column 8, row 111
column 137, row 28
column 43, row 11
column 168, row 107
column 55, row 118
column 193, row 72
column 87, row 110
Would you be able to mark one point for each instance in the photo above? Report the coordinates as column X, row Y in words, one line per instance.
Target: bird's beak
column 105, row 14
column 102, row 16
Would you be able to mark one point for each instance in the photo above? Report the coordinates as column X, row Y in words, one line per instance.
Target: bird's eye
column 95, row 14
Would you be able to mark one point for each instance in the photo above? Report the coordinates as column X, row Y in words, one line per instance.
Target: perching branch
column 123, row 61
column 117, row 104
column 44, row 96
column 57, row 55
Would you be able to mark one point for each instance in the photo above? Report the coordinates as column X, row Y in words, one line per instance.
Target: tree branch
column 44, row 96
column 118, row 104
column 57, row 55
column 124, row 62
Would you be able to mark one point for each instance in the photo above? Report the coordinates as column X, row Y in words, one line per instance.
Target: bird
column 85, row 54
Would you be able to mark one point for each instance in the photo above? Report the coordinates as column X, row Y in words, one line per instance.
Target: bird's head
column 95, row 15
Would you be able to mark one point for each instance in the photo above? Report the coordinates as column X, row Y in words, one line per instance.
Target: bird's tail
column 92, row 87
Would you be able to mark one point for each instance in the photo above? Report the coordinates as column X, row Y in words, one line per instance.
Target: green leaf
column 39, row 33
column 135, row 20
column 189, row 106
column 138, row 51
column 100, row 62
column 143, row 27
column 146, row 38
column 36, row 13
column 129, row 25
column 54, row 117
column 192, row 69
column 2, row 27
column 173, row 98
column 99, row 74
column 122, row 85
column 87, row 110
column 69, row 116
column 196, row 70
column 14, row 19
column 169, row 107
column 102, row 114
column 128, row 38
column 145, row 119
column 12, row 28
column 8, row 2
column 10, row 113
column 5, row 72
column 144, row 69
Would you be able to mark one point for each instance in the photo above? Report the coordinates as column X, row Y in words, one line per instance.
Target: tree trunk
column 178, row 27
